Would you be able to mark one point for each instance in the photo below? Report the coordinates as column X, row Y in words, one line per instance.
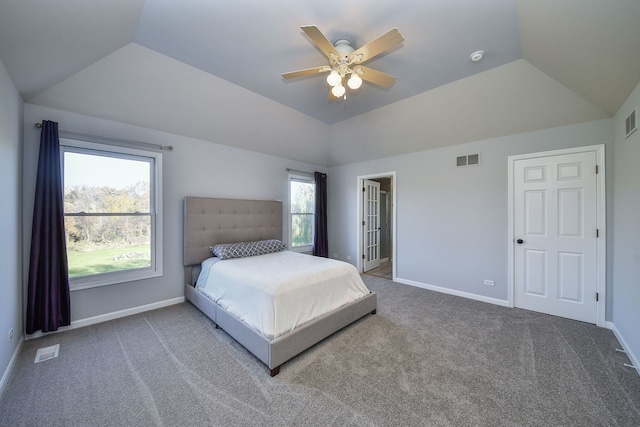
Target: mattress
column 277, row 292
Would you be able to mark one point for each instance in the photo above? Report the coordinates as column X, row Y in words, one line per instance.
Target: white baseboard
column 75, row 324
column 503, row 303
column 7, row 372
column 632, row 358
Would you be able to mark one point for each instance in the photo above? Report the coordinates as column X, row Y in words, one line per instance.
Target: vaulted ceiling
column 212, row 69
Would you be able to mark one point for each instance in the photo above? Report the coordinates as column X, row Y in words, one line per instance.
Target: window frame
column 306, row 179
column 155, row 212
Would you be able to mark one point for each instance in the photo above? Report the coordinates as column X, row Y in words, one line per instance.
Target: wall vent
column 631, row 123
column 468, row 160
column 46, row 353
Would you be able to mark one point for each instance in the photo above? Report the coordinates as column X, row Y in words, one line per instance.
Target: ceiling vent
column 468, row 160
column 631, row 123
column 46, row 353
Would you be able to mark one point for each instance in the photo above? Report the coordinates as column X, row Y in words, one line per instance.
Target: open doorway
column 376, row 225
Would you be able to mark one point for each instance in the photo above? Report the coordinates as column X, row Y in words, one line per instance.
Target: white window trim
column 155, row 270
column 304, row 178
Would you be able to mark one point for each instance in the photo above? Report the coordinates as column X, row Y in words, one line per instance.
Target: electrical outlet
column 348, row 258
column 10, row 334
column 334, row 256
column 488, row 282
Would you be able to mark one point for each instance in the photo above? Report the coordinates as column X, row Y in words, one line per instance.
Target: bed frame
column 211, row 221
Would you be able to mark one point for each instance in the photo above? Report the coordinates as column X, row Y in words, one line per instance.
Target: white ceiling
column 206, row 69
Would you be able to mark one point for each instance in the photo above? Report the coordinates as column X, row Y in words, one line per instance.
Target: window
column 302, row 198
column 112, row 213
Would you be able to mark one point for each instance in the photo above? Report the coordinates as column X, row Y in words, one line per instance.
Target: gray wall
column 626, row 249
column 452, row 222
column 193, row 168
column 10, row 219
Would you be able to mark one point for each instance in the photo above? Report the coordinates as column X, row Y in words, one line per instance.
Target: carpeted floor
column 425, row 359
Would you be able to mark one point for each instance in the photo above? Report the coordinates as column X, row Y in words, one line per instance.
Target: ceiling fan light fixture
column 354, row 81
column 334, row 78
column 338, row 91
column 344, row 66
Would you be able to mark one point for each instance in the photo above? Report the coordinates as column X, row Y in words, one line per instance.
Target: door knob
column 520, row 241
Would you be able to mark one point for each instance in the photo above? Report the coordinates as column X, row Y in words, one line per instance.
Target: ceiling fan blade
column 376, row 77
column 306, row 72
column 320, row 40
column 378, row 46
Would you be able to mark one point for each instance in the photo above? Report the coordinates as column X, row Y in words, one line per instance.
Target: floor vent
column 46, row 353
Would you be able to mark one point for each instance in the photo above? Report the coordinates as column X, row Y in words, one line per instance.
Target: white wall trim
column 632, row 357
column 495, row 301
column 87, row 146
column 7, row 372
column 601, row 224
column 110, row 316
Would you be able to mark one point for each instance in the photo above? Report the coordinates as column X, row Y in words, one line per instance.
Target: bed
column 211, row 221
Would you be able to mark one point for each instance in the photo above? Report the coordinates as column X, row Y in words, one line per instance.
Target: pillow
column 246, row 249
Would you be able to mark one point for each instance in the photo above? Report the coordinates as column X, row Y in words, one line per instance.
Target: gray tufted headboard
column 211, row 221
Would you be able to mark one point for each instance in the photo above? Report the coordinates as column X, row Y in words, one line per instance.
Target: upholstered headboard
column 211, row 221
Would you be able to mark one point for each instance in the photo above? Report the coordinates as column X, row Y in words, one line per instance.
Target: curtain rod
column 299, row 171
column 110, row 138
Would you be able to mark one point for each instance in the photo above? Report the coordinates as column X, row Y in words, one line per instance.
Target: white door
column 371, row 224
column 555, row 220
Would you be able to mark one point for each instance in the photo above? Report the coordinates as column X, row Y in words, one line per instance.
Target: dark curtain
column 320, row 237
column 48, row 305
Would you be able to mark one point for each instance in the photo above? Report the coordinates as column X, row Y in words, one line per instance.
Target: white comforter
column 274, row 293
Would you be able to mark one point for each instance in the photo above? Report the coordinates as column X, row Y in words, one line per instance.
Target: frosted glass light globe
column 338, row 91
column 354, row 81
column 334, row 78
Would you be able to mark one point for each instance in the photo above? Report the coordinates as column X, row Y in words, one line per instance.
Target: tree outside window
column 302, row 195
column 110, row 215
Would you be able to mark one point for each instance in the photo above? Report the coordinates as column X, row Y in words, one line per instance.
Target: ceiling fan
column 345, row 61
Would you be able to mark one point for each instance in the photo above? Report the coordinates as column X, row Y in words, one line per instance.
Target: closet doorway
column 376, row 225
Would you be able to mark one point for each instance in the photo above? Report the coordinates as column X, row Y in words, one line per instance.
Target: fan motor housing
column 344, row 48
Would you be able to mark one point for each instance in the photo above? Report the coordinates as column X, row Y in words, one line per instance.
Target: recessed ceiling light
column 477, row 56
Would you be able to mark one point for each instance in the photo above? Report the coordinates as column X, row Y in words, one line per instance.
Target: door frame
column 387, row 207
column 359, row 210
column 601, row 222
